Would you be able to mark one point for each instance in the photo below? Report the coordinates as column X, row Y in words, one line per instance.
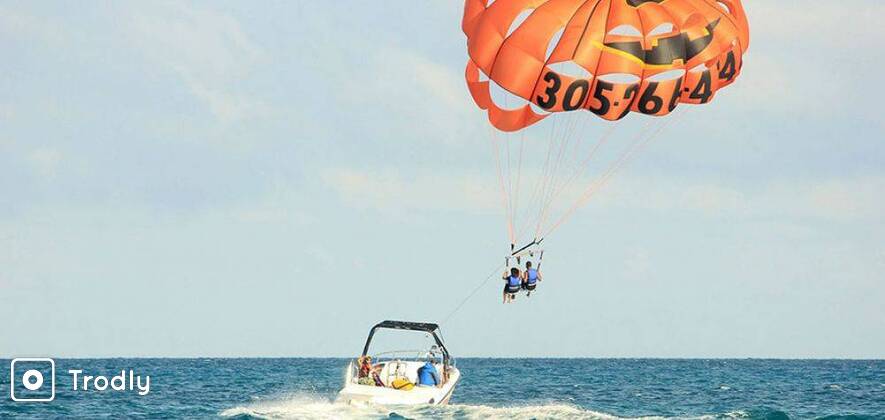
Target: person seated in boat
column 530, row 278
column 512, row 284
column 369, row 373
column 365, row 363
column 428, row 375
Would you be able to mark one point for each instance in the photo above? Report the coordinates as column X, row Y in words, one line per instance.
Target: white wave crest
column 312, row 407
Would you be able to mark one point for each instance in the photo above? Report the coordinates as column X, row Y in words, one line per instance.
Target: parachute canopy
column 609, row 57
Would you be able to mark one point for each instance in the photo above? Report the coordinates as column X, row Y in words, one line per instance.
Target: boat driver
column 428, row 375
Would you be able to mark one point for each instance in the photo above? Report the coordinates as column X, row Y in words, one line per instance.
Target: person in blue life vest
column 530, row 278
column 428, row 375
column 512, row 284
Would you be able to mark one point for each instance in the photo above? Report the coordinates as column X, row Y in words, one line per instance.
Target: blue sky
column 227, row 179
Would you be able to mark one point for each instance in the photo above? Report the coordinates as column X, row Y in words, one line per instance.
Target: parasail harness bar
column 525, row 251
column 527, row 246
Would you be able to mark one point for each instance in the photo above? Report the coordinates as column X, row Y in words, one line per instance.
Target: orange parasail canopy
column 608, row 57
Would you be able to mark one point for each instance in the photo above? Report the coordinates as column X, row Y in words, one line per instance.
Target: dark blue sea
column 490, row 388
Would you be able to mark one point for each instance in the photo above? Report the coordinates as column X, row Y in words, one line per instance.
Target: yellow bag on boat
column 402, row 384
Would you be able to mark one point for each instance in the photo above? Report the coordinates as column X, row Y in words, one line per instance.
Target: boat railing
column 404, row 355
column 401, row 356
column 414, row 355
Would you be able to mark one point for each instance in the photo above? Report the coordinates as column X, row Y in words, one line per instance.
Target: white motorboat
column 390, row 378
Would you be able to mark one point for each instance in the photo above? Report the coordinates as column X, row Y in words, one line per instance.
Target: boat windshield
column 386, row 343
column 413, row 355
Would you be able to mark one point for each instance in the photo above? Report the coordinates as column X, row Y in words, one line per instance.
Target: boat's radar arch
column 426, row 327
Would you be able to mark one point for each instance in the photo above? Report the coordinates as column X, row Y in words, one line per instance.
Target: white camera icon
column 32, row 379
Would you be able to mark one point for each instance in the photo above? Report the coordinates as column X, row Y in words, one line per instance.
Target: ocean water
column 490, row 388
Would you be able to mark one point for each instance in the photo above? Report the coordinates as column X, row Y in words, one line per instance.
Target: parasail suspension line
column 463, row 301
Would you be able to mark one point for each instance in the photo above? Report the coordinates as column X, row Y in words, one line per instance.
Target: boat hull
column 367, row 394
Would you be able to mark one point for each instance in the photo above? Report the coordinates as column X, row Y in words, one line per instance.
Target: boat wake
column 315, row 407
column 305, row 407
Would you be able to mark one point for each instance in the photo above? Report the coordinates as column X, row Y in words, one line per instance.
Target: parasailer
column 530, row 278
column 512, row 284
column 532, row 59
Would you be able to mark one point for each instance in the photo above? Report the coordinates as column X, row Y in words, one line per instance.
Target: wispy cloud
column 417, row 94
column 845, row 199
column 122, row 173
column 17, row 24
column 816, row 59
column 6, row 112
column 207, row 49
column 848, row 199
column 45, row 161
column 828, row 24
column 395, row 192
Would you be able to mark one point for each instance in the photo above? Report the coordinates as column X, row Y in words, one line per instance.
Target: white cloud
column 226, row 106
column 808, row 56
column 14, row 23
column 418, row 95
column 10, row 258
column 822, row 24
column 273, row 209
column 45, row 161
column 767, row 81
column 841, row 200
column 847, row 199
column 436, row 79
column 208, row 50
column 855, row 199
column 637, row 266
column 6, row 111
column 392, row 191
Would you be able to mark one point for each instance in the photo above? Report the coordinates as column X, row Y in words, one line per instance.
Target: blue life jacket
column 514, row 282
column 532, row 275
column 427, row 375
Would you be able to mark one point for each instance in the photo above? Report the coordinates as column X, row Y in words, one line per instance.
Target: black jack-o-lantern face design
column 669, row 50
column 637, row 3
